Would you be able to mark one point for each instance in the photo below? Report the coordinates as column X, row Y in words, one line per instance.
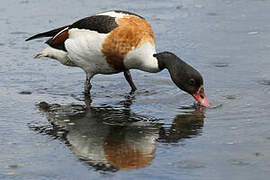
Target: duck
column 117, row 41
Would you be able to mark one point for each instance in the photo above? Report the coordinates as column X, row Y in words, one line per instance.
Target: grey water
column 49, row 130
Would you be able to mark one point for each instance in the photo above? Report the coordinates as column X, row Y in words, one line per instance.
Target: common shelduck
column 114, row 42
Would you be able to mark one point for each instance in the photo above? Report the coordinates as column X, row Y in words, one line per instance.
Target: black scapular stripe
column 99, row 23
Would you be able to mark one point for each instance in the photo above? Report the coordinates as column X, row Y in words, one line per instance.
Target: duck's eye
column 191, row 82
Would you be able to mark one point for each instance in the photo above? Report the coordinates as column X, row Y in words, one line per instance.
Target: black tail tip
column 30, row 38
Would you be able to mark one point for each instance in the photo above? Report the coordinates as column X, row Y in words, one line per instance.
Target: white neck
column 142, row 58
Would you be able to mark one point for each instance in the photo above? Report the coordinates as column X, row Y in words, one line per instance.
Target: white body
column 84, row 50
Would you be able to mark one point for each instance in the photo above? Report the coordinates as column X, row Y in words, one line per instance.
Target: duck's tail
column 50, row 33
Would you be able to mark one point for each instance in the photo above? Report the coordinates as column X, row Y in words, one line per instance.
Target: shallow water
column 49, row 130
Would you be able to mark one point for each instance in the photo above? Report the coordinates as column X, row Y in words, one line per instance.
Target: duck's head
column 184, row 76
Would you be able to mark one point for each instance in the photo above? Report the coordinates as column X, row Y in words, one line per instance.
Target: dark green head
column 183, row 75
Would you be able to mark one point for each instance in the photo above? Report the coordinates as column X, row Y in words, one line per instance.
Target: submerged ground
column 49, row 130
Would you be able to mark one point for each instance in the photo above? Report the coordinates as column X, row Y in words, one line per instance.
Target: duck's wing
column 98, row 23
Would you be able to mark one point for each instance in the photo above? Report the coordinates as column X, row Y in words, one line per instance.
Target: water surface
column 49, row 130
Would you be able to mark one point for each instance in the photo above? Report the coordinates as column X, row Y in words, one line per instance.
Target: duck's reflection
column 110, row 138
column 185, row 125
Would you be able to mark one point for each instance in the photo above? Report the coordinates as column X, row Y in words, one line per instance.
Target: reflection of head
column 184, row 126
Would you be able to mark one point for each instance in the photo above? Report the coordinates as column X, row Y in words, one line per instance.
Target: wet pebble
column 253, row 33
column 221, row 64
column 17, row 33
column 239, row 162
column 10, row 143
column 25, row 92
column 212, row 14
column 11, row 173
column 265, row 82
column 198, row 6
column 179, row 7
column 24, row 2
column 13, row 166
column 258, row 154
column 231, row 97
column 228, row 2
column 213, row 106
column 188, row 164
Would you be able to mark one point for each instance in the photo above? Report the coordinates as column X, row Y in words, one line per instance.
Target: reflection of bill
column 114, row 139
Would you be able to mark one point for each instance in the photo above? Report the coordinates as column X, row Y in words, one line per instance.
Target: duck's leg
column 87, row 84
column 129, row 80
column 87, row 100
